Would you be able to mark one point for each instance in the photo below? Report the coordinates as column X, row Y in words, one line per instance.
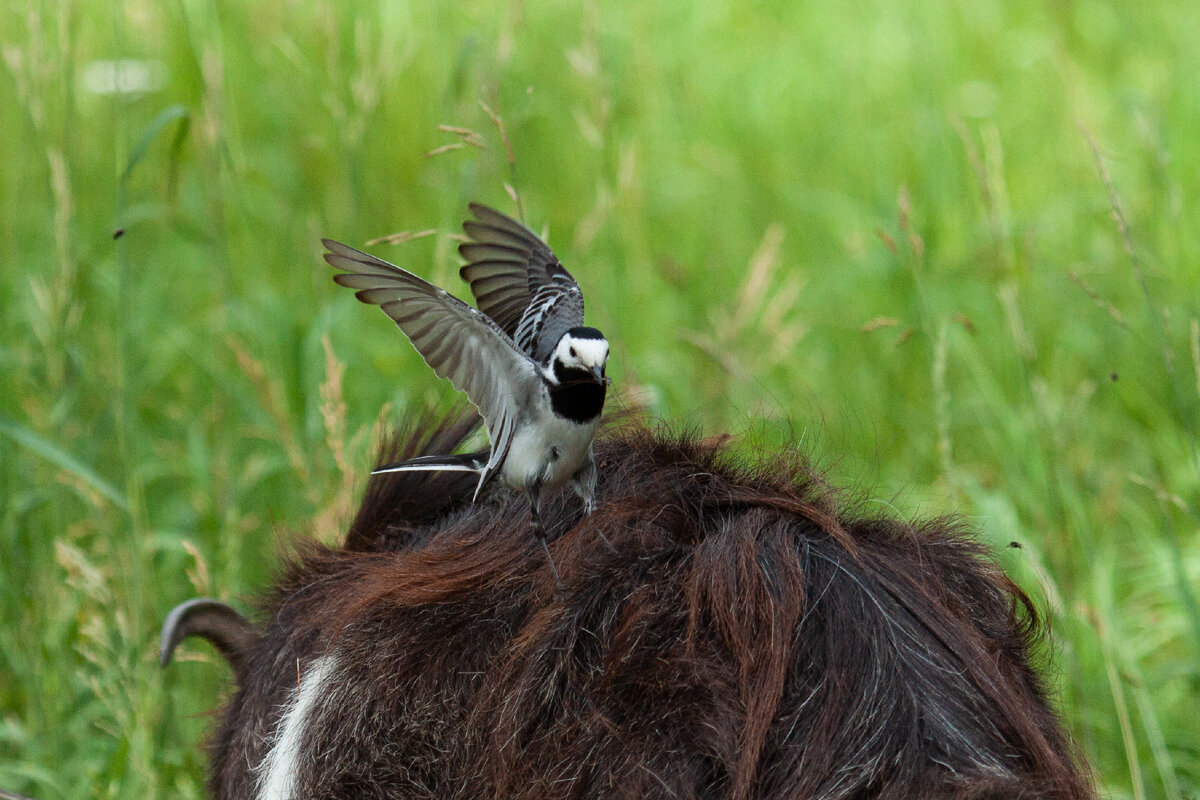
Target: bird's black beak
column 598, row 374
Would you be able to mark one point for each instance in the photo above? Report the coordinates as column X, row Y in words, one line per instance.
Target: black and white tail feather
column 467, row 462
column 523, row 358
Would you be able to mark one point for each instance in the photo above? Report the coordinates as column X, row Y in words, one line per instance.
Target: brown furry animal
column 724, row 630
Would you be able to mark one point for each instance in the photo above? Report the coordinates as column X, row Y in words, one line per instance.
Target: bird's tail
column 467, row 462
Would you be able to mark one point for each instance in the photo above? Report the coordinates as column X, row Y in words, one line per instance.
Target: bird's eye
column 572, row 351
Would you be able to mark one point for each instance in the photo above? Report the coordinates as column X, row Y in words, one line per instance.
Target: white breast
column 535, row 445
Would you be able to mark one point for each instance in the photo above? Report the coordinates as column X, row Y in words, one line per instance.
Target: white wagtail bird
column 524, row 358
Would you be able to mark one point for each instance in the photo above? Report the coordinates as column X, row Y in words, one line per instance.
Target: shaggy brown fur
column 724, row 630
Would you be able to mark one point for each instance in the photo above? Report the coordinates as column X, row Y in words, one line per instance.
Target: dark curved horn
column 219, row 623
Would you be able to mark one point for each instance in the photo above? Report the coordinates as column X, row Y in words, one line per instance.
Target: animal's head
column 581, row 354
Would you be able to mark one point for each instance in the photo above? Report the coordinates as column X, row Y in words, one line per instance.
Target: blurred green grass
column 875, row 228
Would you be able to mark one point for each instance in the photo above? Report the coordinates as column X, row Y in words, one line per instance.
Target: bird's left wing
column 518, row 281
column 457, row 341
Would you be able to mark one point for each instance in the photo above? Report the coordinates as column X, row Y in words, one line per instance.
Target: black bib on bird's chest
column 577, row 396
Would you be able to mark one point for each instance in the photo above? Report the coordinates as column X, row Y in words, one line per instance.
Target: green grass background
column 877, row 228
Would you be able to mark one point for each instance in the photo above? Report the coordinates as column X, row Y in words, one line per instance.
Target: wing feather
column 513, row 275
column 497, row 232
column 457, row 341
column 494, row 251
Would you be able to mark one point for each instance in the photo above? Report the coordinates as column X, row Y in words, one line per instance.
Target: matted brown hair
column 724, row 630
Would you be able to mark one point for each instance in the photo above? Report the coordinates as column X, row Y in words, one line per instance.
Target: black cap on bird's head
column 584, row 332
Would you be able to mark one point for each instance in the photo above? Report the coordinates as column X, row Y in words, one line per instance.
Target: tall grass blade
column 164, row 118
column 52, row 453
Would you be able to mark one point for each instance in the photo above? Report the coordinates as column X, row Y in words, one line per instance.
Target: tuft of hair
column 725, row 629
column 399, row 507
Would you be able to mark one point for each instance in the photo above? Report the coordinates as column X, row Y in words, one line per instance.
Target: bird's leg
column 584, row 484
column 534, row 492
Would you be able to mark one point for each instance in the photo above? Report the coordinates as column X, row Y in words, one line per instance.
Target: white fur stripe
column 277, row 772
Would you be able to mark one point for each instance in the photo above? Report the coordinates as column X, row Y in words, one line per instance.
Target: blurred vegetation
column 949, row 249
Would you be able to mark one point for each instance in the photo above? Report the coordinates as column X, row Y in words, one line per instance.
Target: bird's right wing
column 458, row 342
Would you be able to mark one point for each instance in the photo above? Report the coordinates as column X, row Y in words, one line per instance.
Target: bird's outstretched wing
column 458, row 342
column 519, row 282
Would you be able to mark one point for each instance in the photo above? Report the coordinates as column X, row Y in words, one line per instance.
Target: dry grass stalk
column 402, row 237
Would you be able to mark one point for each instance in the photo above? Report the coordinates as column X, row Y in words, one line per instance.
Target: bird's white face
column 588, row 353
